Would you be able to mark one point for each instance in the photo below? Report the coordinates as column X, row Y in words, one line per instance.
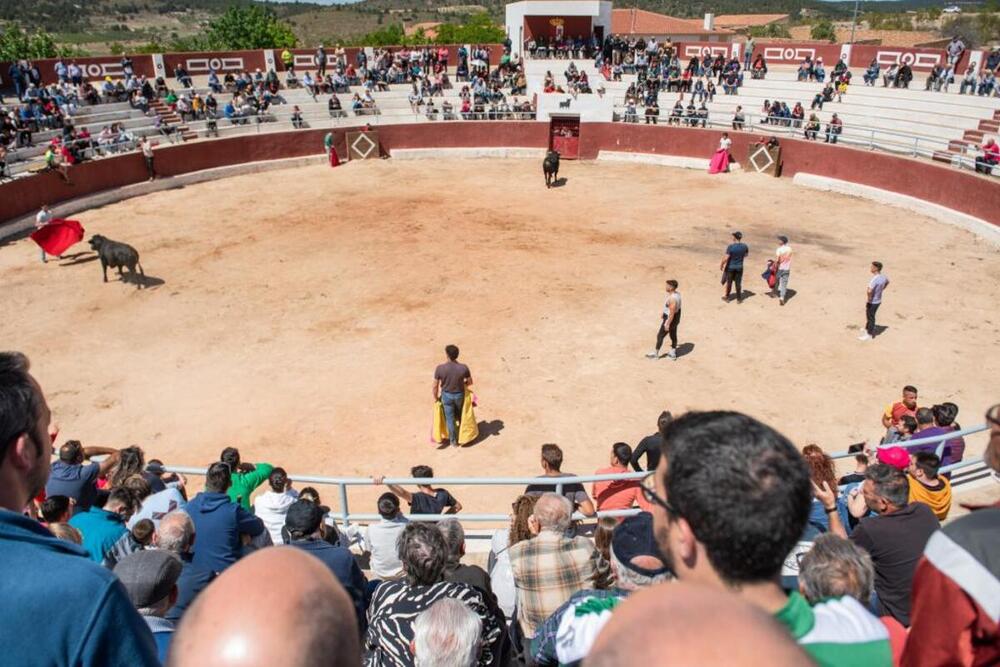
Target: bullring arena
column 299, row 314
column 307, row 262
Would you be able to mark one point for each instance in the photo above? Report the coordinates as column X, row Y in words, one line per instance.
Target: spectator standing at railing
column 651, row 445
column 245, row 477
column 876, row 287
column 272, row 505
column 617, row 494
column 380, row 538
column 147, row 155
column 552, row 459
column 906, row 406
column 959, row 573
column 71, row 477
column 427, row 499
column 321, row 61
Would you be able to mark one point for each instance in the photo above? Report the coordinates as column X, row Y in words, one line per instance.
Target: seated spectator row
column 127, row 569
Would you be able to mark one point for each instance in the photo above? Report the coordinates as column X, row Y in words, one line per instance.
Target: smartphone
column 856, row 448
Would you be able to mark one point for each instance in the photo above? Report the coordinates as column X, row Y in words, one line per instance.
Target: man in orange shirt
column 906, row 406
column 618, row 494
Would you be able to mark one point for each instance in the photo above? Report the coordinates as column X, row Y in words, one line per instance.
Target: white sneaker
column 652, row 355
column 864, row 336
column 672, row 354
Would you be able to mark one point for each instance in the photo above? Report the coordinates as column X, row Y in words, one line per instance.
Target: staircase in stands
column 170, row 116
column 971, row 140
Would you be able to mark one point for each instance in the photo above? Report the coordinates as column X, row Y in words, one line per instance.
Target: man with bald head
column 687, row 631
column 732, row 498
column 551, row 567
column 302, row 617
column 176, row 535
column 58, row 607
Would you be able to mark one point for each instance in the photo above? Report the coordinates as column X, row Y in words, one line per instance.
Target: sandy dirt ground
column 299, row 315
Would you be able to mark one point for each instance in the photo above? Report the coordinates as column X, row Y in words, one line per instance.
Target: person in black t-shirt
column 651, row 445
column 552, row 458
column 427, row 500
column 858, row 475
column 732, row 266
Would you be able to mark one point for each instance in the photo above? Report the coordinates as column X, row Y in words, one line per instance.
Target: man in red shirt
column 618, row 494
column 906, row 406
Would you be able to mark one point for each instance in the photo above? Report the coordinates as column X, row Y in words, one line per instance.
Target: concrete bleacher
column 938, row 125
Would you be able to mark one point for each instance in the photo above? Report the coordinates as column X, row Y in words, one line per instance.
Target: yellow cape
column 468, row 428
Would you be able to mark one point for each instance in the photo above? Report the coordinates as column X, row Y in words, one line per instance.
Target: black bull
column 550, row 166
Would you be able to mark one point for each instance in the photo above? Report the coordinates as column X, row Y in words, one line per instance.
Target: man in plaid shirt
column 550, row 567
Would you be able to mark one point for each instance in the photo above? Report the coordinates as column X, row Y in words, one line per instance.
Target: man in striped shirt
column 732, row 498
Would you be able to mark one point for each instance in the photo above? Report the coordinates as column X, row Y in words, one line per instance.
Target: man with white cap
column 783, row 267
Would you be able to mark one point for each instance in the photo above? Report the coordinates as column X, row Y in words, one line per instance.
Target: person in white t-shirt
column 380, row 538
column 783, row 264
column 876, row 286
column 272, row 505
column 158, row 505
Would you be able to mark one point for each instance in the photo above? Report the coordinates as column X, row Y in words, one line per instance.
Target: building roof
column 641, row 22
column 747, row 20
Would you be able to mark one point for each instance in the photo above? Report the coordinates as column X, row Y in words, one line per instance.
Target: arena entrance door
column 564, row 136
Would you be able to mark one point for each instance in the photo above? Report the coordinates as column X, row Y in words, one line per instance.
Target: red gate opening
column 564, row 136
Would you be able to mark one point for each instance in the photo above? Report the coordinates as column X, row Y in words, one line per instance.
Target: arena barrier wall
column 94, row 68
column 201, row 62
column 919, row 60
column 793, row 53
column 962, row 191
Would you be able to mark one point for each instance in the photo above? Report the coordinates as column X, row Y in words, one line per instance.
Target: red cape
column 56, row 237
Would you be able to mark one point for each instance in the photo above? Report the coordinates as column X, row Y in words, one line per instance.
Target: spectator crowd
column 115, row 562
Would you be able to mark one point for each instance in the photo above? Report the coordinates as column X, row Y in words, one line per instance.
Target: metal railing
column 558, row 483
column 872, row 138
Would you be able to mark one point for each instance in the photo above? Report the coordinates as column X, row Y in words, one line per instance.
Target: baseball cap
column 897, row 457
column 148, row 576
column 632, row 538
column 304, row 517
column 783, row 239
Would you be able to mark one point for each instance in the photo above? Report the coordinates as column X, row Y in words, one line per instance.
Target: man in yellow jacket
column 927, row 487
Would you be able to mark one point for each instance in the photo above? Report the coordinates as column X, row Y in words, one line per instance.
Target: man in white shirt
column 381, row 538
column 272, row 505
column 876, row 286
column 43, row 218
column 783, row 265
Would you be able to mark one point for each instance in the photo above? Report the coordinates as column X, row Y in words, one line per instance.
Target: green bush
column 823, row 29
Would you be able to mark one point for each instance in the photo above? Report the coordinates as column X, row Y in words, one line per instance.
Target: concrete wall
column 961, row 191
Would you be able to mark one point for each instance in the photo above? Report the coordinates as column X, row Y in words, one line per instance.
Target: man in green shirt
column 732, row 498
column 245, row 476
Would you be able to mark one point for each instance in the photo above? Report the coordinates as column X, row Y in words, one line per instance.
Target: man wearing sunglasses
column 731, row 522
column 58, row 607
column 956, row 588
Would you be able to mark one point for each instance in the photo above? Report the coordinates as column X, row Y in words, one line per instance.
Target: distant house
column 641, row 23
column 952, row 9
column 742, row 22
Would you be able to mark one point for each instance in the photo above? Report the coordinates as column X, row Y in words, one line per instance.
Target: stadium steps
column 170, row 116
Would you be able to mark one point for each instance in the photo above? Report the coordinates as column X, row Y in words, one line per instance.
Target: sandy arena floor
column 301, row 313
